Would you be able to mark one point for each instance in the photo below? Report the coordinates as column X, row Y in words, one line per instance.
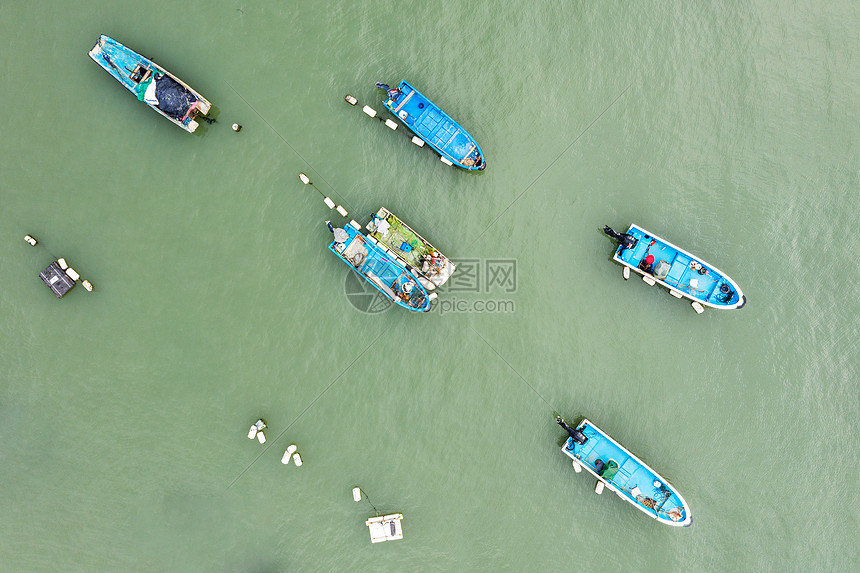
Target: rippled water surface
column 731, row 130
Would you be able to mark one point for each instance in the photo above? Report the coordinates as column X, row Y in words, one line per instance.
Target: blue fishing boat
column 686, row 276
column 152, row 84
column 623, row 473
column 434, row 126
column 379, row 268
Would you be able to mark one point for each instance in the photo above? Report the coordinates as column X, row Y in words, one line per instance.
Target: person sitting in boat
column 626, row 241
column 647, row 264
column 392, row 92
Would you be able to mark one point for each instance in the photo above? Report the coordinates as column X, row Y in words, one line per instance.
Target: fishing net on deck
column 173, row 99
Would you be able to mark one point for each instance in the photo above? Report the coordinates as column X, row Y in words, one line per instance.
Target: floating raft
column 434, row 126
column 385, row 527
column 623, row 473
column 152, row 84
column 432, row 267
column 57, row 279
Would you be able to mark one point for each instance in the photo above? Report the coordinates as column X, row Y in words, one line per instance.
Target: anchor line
column 282, row 138
column 308, row 407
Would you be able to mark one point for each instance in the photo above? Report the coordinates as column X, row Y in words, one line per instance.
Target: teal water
column 730, row 130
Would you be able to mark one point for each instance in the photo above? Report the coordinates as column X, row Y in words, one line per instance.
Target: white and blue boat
column 623, row 473
column 685, row 275
column 152, row 84
column 377, row 266
column 434, row 126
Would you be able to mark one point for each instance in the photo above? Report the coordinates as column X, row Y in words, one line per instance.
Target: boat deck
column 635, row 480
column 434, row 126
column 700, row 284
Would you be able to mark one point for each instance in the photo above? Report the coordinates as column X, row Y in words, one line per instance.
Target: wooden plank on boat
column 406, row 99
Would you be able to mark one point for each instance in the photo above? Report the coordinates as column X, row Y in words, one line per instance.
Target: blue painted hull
column 435, row 127
column 632, row 479
column 688, row 275
column 378, row 268
column 136, row 73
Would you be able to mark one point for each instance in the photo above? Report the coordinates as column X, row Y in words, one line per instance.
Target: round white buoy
column 261, row 437
column 297, row 458
column 305, row 179
column 356, row 493
column 31, row 241
column 87, row 285
column 252, row 433
column 291, row 449
column 237, row 128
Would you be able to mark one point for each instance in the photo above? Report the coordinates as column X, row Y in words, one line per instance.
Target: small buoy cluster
column 328, row 202
column 237, row 128
column 291, row 453
column 256, row 431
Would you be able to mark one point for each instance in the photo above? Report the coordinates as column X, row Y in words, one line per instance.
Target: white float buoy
column 369, row 111
column 391, row 125
column 432, row 296
column 237, row 128
column 355, row 225
column 305, row 179
column 576, row 467
column 626, row 273
column 648, row 280
column 418, row 141
column 87, row 285
column 261, row 437
column 675, row 293
column 72, row 274
column 350, row 100
column 30, row 240
column 343, row 212
column 297, row 458
column 356, row 493
column 62, row 263
column 598, row 487
column 445, row 160
column 328, row 203
column 252, row 433
column 698, row 307
column 286, row 457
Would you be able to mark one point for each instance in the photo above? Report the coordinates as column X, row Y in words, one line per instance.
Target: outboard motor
column 626, row 241
column 577, row 436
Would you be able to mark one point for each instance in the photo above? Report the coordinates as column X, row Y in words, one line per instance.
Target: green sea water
column 730, row 129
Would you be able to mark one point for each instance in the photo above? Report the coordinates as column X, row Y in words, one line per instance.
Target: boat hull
column 634, row 481
column 376, row 266
column 706, row 284
column 435, row 127
column 135, row 72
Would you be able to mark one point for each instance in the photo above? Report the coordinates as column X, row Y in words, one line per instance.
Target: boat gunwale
column 741, row 298
column 688, row 519
column 148, row 62
column 448, row 156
